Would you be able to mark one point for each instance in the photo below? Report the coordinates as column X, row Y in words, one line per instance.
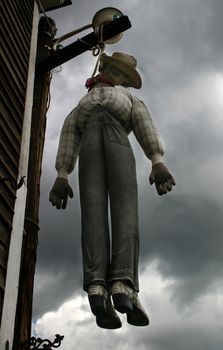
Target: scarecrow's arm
column 146, row 132
column 66, row 158
column 148, row 137
column 68, row 146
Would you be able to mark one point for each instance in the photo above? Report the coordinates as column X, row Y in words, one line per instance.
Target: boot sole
column 103, row 319
column 137, row 318
column 97, row 304
column 122, row 303
column 107, row 322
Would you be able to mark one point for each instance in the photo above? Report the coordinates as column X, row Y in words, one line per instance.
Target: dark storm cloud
column 184, row 233
column 193, row 337
column 177, row 44
column 59, row 256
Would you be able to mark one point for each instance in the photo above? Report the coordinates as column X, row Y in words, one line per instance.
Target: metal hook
column 13, row 184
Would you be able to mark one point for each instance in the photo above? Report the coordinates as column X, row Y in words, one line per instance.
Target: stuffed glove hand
column 60, row 192
column 162, row 178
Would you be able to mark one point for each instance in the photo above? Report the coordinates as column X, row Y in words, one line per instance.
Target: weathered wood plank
column 2, row 280
column 3, row 256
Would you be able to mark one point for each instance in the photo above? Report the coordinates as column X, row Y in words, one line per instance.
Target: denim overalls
column 107, row 171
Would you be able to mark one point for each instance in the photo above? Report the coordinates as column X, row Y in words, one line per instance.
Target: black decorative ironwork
column 43, row 344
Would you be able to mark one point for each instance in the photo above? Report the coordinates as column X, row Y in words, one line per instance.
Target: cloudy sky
column 178, row 45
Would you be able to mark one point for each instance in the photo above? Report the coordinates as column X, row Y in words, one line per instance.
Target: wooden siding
column 15, row 30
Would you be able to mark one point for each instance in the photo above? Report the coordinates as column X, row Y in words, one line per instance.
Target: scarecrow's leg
column 94, row 208
column 122, row 186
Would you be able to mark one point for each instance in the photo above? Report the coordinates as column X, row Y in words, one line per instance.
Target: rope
column 49, row 93
column 99, row 49
column 44, row 13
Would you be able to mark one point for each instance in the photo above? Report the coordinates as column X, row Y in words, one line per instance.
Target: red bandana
column 90, row 83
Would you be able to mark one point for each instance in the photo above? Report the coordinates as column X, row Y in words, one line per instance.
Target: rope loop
column 98, row 49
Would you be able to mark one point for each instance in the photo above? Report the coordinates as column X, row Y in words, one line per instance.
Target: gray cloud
column 59, row 252
column 184, row 232
column 191, row 337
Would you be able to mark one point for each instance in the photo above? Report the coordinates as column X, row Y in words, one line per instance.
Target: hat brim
column 134, row 77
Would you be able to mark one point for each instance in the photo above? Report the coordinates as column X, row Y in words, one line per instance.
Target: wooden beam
column 89, row 41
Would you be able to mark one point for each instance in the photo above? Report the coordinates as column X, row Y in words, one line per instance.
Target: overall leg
column 95, row 231
column 122, row 185
column 94, row 207
column 123, row 194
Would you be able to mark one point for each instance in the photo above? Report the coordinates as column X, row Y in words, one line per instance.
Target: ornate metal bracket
column 43, row 344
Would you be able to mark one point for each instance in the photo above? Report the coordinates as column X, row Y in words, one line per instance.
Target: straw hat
column 126, row 64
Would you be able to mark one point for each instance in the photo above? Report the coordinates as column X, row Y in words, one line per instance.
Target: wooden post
column 47, row 30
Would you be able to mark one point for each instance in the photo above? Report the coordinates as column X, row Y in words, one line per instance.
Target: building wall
column 15, row 29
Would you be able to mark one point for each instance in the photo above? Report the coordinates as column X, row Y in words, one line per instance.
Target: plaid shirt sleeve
column 69, row 144
column 144, row 129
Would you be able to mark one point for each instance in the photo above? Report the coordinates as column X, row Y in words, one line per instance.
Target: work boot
column 126, row 300
column 102, row 308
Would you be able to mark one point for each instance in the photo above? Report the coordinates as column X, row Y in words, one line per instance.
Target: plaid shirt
column 129, row 111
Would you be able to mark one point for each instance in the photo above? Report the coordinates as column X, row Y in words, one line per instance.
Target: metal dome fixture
column 101, row 17
column 105, row 16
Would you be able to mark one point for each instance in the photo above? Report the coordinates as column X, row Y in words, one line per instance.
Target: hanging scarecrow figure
column 96, row 130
